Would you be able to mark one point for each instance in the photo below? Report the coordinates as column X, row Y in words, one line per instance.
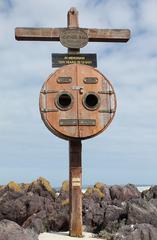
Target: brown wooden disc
column 77, row 101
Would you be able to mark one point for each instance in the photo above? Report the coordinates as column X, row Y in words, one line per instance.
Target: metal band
column 106, row 111
column 106, row 92
column 48, row 91
column 45, row 110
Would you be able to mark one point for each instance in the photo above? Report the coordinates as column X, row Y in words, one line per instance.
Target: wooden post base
column 75, row 188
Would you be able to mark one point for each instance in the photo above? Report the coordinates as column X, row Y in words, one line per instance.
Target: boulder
column 9, row 195
column 24, row 186
column 153, row 201
column 12, row 231
column 13, row 208
column 21, row 208
column 136, row 232
column 124, row 193
column 93, row 214
column 150, row 193
column 105, row 235
column 63, row 197
column 141, row 211
column 38, row 222
column 11, row 190
column 94, row 193
column 13, row 186
column 42, row 187
column 103, row 189
column 115, row 217
column 59, row 219
column 65, row 186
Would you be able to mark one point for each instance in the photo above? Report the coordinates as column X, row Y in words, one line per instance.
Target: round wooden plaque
column 77, row 102
column 73, row 38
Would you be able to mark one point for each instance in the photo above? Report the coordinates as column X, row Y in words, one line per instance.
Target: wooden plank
column 52, row 34
column 108, row 35
column 38, row 34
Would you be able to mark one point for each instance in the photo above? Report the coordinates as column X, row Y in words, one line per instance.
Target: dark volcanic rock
column 11, row 231
column 104, row 189
column 127, row 192
column 53, row 217
column 141, row 211
column 14, row 210
column 136, row 232
column 37, row 206
column 114, row 218
column 150, row 193
column 42, row 187
column 20, row 209
column 38, row 222
column 93, row 214
column 11, row 191
column 59, row 220
column 63, row 197
column 93, row 193
column 153, row 201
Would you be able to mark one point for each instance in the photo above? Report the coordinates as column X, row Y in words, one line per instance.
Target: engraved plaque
column 73, row 38
column 76, row 182
column 68, row 122
column 60, row 59
column 64, row 80
column 90, row 80
column 76, row 122
column 87, row 122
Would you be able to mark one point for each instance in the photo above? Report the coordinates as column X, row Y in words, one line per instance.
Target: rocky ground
column 113, row 213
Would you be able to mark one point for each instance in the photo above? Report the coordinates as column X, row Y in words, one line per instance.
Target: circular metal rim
column 91, row 108
column 57, row 102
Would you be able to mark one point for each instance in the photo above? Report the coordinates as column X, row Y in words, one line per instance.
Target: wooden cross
column 53, row 34
column 75, row 147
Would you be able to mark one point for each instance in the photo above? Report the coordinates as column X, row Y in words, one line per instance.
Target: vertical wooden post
column 73, row 18
column 75, row 160
column 75, row 191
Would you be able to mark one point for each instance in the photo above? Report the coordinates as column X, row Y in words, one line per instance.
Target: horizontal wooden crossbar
column 53, row 34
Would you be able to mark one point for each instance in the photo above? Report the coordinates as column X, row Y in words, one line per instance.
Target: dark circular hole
column 64, row 100
column 91, row 100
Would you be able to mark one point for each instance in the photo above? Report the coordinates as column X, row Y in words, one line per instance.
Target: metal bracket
column 106, row 111
column 77, row 87
column 106, row 92
column 45, row 110
column 48, row 91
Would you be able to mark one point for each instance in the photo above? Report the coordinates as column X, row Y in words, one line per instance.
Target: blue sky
column 126, row 151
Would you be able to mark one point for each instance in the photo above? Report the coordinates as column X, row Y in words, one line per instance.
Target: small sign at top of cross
column 72, row 37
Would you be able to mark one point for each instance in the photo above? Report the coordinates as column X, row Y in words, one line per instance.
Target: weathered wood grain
column 52, row 34
column 61, row 119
